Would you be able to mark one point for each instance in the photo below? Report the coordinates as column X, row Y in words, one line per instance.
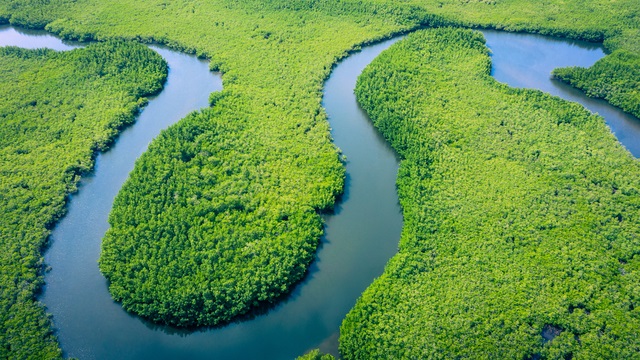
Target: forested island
column 521, row 210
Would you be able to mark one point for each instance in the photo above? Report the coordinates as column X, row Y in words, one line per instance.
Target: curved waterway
column 360, row 236
column 525, row 60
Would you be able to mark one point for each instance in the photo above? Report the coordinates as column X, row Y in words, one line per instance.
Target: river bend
column 360, row 236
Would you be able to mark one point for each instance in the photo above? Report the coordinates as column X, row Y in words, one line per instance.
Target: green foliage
column 222, row 213
column 522, row 217
column 592, row 20
column 315, row 355
column 615, row 78
column 229, row 196
column 56, row 109
column 202, row 231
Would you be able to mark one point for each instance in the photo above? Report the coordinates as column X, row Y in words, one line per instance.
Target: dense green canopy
column 56, row 111
column 615, row 78
column 221, row 214
column 522, row 217
column 239, row 186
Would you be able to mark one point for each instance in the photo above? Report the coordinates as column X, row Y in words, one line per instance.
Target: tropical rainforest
column 222, row 213
column 522, row 216
column 615, row 78
column 56, row 111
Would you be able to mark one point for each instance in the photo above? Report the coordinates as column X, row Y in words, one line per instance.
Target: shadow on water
column 344, row 197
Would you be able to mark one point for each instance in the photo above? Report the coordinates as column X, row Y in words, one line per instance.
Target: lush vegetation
column 56, row 111
column 594, row 20
column 615, row 78
column 522, row 216
column 221, row 214
column 315, row 355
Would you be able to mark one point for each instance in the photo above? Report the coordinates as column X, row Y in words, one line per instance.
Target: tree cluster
column 56, row 111
column 522, row 216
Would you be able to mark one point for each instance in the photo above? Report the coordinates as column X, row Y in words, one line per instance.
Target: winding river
column 360, row 236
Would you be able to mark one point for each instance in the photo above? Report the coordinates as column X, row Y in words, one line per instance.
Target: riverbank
column 521, row 214
column 58, row 110
column 275, row 57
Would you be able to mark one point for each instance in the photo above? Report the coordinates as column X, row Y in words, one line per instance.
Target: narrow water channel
column 360, row 236
column 525, row 60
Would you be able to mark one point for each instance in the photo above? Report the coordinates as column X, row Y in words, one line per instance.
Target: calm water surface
column 360, row 237
column 523, row 60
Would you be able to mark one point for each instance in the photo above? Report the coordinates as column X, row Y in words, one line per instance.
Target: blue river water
column 360, row 236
